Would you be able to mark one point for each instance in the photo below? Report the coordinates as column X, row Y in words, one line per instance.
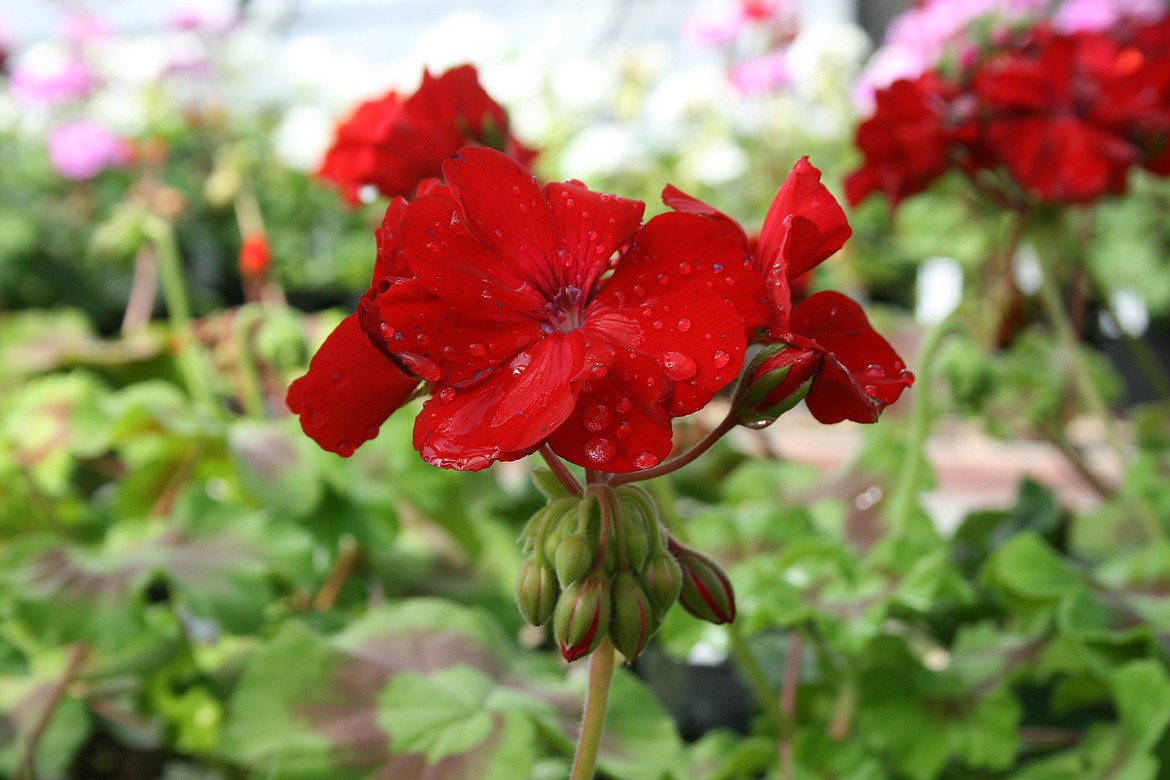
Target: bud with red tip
column 634, row 620
column 706, row 591
column 536, row 591
column 582, row 616
column 777, row 380
column 255, row 257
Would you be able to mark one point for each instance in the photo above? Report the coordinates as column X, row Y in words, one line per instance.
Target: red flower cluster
column 394, row 143
column 1064, row 115
column 554, row 316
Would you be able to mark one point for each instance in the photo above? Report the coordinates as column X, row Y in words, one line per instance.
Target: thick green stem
column 601, row 665
column 190, row 357
column 1086, row 389
column 902, row 500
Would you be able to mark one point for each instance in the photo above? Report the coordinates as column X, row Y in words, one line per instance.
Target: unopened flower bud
column 255, row 256
column 706, row 591
column 662, row 580
column 536, row 591
column 777, row 380
column 573, row 557
column 633, row 621
column 582, row 616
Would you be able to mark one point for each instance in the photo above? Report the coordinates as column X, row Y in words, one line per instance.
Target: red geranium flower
column 538, row 315
column 1049, row 118
column 855, row 372
column 907, row 142
column 393, row 143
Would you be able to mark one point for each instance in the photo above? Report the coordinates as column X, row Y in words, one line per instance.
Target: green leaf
column 1027, row 567
column 1142, row 691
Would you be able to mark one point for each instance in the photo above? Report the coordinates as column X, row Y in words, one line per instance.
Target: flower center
column 565, row 310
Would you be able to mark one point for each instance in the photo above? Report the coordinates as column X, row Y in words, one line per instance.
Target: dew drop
column 647, row 311
column 599, row 250
column 600, row 450
column 422, row 338
column 598, row 370
column 677, row 366
column 569, row 201
column 432, row 246
column 639, row 290
column 717, row 268
column 684, row 268
column 371, row 431
column 345, row 448
column 906, row 375
column 870, row 390
column 624, row 405
column 597, row 417
column 338, row 379
column 448, row 351
column 657, row 324
column 645, row 460
column 485, row 293
column 720, row 359
column 591, row 235
column 623, row 429
column 565, row 256
column 477, row 349
column 516, row 189
column 874, row 371
column 446, row 395
column 683, row 325
column 662, row 278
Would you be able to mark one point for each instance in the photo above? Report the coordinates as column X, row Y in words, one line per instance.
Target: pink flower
column 50, row 78
column 760, row 74
column 1099, row 15
column 82, row 150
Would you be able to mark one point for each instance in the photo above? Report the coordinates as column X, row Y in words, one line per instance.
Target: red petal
column 506, row 416
column 591, row 227
column 674, row 330
column 505, row 208
column 862, row 374
column 803, row 197
column 445, row 341
column 390, row 260
column 349, row 391
column 457, row 266
column 611, row 429
column 688, row 204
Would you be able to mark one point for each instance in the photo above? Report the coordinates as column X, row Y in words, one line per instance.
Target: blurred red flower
column 393, row 143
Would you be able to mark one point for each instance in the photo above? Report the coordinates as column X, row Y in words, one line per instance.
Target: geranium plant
column 553, row 320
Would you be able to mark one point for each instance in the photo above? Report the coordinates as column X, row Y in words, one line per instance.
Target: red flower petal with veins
column 349, row 391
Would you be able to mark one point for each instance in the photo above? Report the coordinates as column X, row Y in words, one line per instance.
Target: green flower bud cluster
column 598, row 565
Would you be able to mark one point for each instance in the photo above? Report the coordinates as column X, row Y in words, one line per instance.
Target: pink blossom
column 1097, row 15
column 51, row 78
column 760, row 74
column 82, row 150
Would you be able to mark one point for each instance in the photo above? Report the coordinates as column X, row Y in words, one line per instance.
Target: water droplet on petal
column 645, row 460
column 432, row 246
column 422, row 338
column 874, row 371
column 662, row 278
column 720, row 359
column 870, row 390
column 597, row 417
column 717, row 268
column 345, row 448
column 600, row 450
column 684, row 268
column 657, row 324
column 338, row 379
column 623, row 429
column 646, row 312
column 477, row 349
column 624, row 405
column 446, row 395
column 485, row 293
column 591, row 235
column 598, row 370
column 677, row 366
column 565, row 256
column 371, row 431
column 448, row 351
column 906, row 375
column 683, row 325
